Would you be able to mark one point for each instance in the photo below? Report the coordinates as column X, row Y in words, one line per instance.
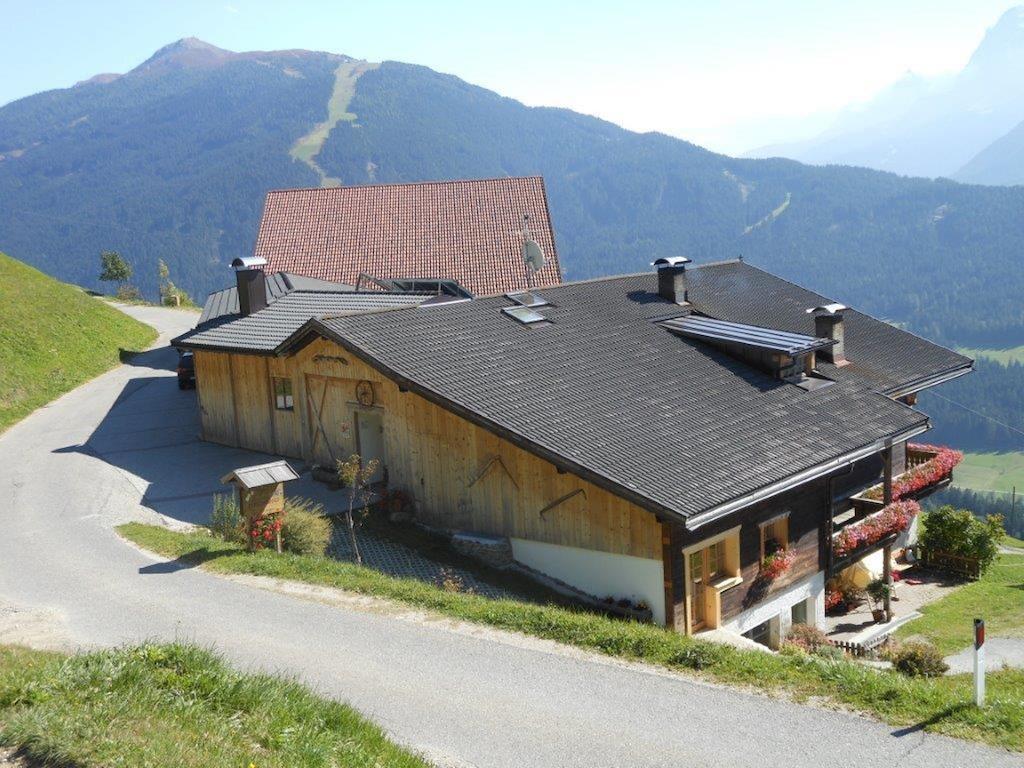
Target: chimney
column 251, row 282
column 672, row 278
column 828, row 324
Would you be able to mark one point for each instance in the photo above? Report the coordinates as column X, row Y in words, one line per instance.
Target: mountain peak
column 1003, row 43
column 187, row 52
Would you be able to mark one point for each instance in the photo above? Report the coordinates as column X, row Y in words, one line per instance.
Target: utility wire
column 977, row 413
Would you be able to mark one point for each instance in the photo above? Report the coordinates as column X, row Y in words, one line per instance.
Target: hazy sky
column 727, row 75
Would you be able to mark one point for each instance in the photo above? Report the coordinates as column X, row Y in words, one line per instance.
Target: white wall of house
column 780, row 605
column 598, row 573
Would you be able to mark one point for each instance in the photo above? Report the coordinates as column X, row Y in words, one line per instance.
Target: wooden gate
column 329, row 427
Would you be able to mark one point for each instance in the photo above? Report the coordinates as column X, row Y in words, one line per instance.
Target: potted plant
column 878, row 591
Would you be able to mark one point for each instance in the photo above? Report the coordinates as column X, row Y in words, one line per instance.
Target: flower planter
column 922, row 476
column 878, row 615
column 859, row 536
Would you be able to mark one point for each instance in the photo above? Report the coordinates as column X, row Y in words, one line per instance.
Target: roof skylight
column 525, row 315
column 527, row 299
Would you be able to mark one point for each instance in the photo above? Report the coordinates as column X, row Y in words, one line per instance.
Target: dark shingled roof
column 262, row 332
column 675, row 424
column 225, row 302
column 469, row 231
column 881, row 356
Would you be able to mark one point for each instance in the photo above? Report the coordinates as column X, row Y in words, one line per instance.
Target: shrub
column 830, row 652
column 305, row 530
column 129, row 293
column 695, row 656
column 806, row 637
column 878, row 590
column 958, row 532
column 226, row 518
column 917, row 659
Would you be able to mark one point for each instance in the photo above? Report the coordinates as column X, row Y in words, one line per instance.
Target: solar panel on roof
column 524, row 315
column 527, row 299
column 710, row 329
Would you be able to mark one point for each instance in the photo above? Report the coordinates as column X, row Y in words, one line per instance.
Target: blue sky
column 728, row 75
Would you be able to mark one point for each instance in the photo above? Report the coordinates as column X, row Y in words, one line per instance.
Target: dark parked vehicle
column 186, row 370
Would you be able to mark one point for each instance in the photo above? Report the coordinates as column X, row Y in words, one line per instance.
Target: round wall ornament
column 364, row 393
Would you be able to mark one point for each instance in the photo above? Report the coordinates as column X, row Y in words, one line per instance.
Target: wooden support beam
column 887, row 578
column 887, row 476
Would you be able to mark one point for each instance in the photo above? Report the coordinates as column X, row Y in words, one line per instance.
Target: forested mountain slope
column 172, row 161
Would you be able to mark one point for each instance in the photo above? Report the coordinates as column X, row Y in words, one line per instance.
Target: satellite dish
column 533, row 255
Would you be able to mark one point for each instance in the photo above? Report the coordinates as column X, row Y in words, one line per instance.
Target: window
column 798, row 613
column 774, row 535
column 283, row 394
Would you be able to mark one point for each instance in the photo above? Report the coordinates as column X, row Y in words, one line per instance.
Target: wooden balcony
column 929, row 469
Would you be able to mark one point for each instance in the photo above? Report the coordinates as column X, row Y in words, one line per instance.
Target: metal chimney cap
column 248, row 262
column 834, row 308
column 671, row 261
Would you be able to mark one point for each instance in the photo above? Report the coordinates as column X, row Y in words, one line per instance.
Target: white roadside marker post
column 979, row 662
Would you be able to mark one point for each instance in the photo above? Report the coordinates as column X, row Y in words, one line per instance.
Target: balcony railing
column 929, row 468
column 861, row 536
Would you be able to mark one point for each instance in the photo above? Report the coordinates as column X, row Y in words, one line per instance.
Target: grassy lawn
column 53, row 337
column 175, row 705
column 991, row 472
column 998, row 597
column 1004, row 356
column 939, row 705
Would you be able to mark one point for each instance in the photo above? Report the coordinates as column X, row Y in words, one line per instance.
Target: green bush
column 305, row 530
column 806, row 638
column 917, row 659
column 226, row 518
column 830, row 652
column 959, row 532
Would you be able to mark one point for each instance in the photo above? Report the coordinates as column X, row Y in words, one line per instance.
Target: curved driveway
column 124, row 447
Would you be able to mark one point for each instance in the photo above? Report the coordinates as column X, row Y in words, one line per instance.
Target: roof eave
column 932, row 380
column 808, row 475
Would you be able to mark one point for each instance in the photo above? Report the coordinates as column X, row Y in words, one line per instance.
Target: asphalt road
column 124, row 447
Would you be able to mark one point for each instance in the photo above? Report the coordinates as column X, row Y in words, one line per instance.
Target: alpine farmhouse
column 652, row 436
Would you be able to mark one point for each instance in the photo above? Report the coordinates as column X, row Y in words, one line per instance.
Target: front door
column 370, row 434
column 698, row 611
column 705, row 566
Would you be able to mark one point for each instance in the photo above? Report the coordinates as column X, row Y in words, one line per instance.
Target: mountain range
column 968, row 126
column 172, row 161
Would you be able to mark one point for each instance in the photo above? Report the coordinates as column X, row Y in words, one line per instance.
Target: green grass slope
column 53, row 337
column 175, row 705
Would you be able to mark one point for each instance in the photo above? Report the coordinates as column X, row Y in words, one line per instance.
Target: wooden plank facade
column 460, row 476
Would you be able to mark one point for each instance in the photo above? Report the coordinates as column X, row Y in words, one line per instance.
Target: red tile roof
column 469, row 231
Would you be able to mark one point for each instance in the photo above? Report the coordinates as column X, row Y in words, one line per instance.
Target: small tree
column 114, row 269
column 169, row 292
column 356, row 475
column 958, row 532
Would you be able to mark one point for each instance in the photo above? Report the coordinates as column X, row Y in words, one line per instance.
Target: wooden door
column 327, row 417
column 698, row 591
column 370, row 437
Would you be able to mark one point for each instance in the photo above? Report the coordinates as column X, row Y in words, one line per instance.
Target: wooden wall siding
column 461, row 476
column 808, row 509
column 217, row 409
column 287, row 424
column 253, row 409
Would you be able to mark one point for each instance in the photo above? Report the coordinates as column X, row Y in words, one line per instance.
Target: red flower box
column 891, row 519
column 923, row 475
column 776, row 564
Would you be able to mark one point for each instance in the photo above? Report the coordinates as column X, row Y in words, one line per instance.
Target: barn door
column 325, row 405
column 370, row 434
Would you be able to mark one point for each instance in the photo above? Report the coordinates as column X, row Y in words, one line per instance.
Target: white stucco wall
column 597, row 573
column 811, row 589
